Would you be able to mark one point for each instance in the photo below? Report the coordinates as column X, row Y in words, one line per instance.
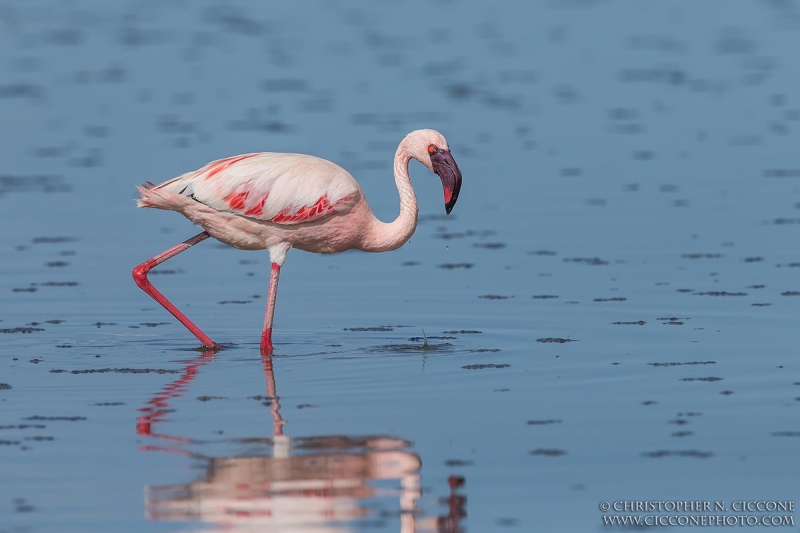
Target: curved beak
column 445, row 167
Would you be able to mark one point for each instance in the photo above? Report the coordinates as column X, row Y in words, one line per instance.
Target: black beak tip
column 444, row 166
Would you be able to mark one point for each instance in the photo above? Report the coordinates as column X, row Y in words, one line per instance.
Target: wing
column 281, row 188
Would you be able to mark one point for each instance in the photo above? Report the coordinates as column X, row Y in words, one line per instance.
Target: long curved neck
column 381, row 236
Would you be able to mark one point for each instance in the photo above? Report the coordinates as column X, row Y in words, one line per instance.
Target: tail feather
column 158, row 197
column 163, row 195
column 144, row 190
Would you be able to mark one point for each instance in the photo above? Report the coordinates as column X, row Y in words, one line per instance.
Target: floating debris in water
column 702, row 256
column 22, row 90
column 678, row 453
column 782, row 173
column 689, row 363
column 44, row 183
column 586, row 260
column 57, row 418
column 458, row 462
column 165, row 271
column 53, row 240
column 20, row 330
column 117, row 371
column 422, row 219
column 720, row 293
column 451, row 266
column 548, row 452
column 489, row 245
column 291, row 85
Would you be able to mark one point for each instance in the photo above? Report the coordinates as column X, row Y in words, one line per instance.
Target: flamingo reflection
column 312, row 484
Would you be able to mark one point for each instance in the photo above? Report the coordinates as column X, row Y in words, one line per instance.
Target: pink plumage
column 269, row 187
column 278, row 201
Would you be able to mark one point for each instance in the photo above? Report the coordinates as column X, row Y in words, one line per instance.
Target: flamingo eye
column 432, row 149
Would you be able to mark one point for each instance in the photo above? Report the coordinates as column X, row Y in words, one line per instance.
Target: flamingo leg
column 140, row 277
column 266, row 336
column 272, row 395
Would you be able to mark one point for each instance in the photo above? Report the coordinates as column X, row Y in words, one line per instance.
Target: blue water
column 609, row 313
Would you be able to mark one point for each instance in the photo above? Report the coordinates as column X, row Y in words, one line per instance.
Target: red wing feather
column 321, row 208
column 280, row 188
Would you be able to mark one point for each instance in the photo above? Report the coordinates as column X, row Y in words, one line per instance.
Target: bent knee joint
column 140, row 273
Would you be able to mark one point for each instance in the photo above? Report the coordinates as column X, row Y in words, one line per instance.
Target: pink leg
column 266, row 336
column 140, row 277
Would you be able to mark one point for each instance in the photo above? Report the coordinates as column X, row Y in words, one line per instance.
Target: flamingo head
column 429, row 147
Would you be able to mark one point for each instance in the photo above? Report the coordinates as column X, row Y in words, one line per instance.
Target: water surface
column 608, row 314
